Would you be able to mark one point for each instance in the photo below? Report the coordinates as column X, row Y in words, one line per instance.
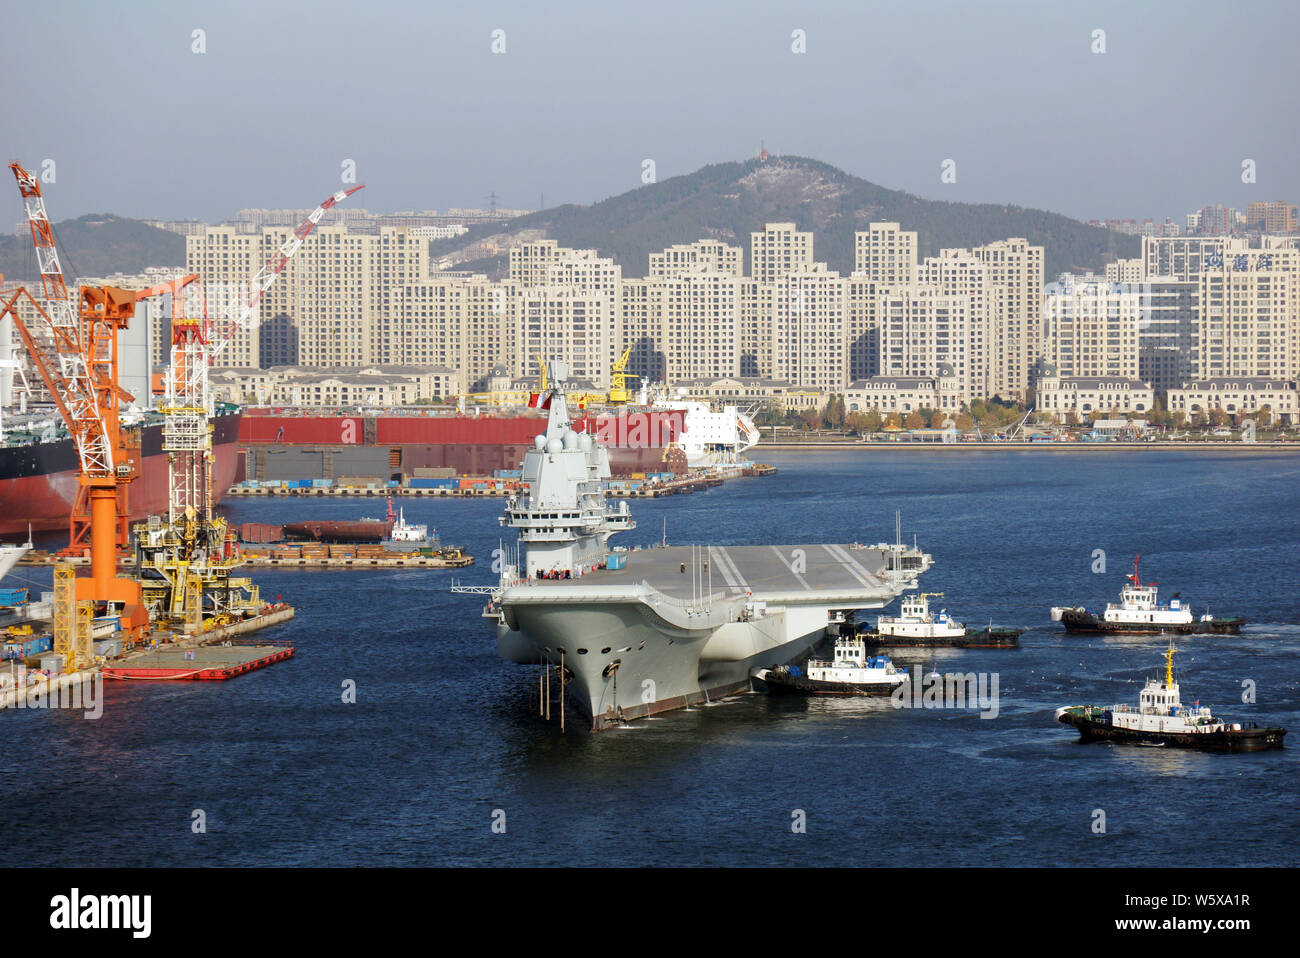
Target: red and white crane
column 76, row 353
column 187, row 405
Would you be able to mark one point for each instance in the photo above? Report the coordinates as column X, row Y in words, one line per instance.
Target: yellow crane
column 618, row 375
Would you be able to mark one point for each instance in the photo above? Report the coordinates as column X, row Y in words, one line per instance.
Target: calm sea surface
column 443, row 732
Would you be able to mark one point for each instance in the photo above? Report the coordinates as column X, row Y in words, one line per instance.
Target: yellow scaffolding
column 74, row 622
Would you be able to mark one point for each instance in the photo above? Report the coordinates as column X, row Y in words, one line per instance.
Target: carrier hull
column 637, row 641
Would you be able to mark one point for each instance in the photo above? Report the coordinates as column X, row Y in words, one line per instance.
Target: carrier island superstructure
column 649, row 630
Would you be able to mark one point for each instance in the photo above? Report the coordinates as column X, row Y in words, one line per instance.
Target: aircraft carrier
column 638, row 632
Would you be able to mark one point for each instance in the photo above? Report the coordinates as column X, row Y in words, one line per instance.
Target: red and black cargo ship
column 38, row 480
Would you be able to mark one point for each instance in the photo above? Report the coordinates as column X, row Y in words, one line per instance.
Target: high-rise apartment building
column 808, row 341
column 1091, row 327
column 1178, row 257
column 1015, row 268
column 778, row 250
column 1249, row 314
column 1273, row 217
column 885, row 254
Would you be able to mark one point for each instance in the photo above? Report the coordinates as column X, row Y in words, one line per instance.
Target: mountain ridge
column 722, row 201
column 94, row 245
column 727, row 201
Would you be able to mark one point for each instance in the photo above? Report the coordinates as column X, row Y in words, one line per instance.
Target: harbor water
column 442, row 759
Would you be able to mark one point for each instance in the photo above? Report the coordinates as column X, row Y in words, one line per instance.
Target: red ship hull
column 44, row 500
column 279, row 444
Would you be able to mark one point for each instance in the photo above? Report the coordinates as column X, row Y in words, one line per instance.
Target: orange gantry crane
column 76, row 353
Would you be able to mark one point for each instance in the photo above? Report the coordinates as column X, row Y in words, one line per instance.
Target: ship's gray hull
column 624, row 663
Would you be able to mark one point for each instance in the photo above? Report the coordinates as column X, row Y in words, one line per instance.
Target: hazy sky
column 139, row 124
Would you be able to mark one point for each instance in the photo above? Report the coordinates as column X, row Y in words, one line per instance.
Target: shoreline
column 833, row 445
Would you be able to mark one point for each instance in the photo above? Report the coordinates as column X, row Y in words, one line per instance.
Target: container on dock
column 322, row 483
column 617, row 560
column 108, row 648
column 10, row 597
column 20, row 647
column 105, row 626
column 52, row 662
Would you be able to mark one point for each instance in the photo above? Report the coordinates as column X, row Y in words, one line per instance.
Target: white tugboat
column 637, row 632
column 851, row 672
column 1139, row 612
column 1160, row 718
column 408, row 536
column 916, row 625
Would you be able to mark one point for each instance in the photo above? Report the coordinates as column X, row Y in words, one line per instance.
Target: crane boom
column 75, row 356
column 55, row 290
column 269, row 273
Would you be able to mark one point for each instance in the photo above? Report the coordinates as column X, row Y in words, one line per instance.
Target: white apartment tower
column 1091, row 327
column 1016, row 268
column 885, row 254
column 778, row 250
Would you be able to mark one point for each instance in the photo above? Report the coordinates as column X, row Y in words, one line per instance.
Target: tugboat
column 1139, row 612
column 916, row 625
column 408, row 536
column 1161, row 719
column 852, row 672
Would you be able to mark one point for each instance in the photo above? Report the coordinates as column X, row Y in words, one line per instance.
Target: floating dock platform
column 206, row 663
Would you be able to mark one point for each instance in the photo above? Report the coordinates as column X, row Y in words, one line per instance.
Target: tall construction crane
column 186, row 562
column 76, row 355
